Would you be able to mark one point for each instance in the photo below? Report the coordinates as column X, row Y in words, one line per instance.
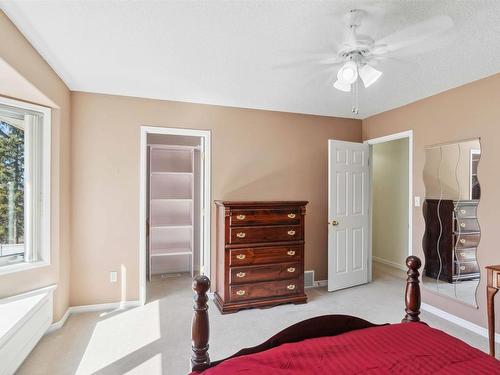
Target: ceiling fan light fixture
column 342, row 86
column 369, row 75
column 348, row 73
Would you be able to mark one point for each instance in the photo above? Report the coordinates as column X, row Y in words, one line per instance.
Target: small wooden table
column 493, row 284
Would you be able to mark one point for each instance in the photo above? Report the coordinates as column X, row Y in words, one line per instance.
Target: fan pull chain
column 355, row 96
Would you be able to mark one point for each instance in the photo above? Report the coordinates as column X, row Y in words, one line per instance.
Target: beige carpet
column 155, row 338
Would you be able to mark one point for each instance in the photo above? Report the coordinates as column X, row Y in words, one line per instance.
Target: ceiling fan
column 358, row 52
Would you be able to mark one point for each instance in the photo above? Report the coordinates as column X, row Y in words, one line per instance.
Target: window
column 24, row 185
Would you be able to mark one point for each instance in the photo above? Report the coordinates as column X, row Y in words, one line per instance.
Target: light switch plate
column 417, row 201
column 113, row 277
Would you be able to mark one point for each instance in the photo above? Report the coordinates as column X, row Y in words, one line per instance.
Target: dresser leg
column 490, row 297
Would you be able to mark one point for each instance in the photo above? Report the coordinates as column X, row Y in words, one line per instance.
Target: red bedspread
column 409, row 348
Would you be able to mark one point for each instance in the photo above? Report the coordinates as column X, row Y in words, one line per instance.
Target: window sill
column 18, row 267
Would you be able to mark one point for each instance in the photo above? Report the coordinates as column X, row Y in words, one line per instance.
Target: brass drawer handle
column 462, row 254
column 241, row 274
column 291, row 232
column 462, row 268
column 241, row 256
column 240, row 234
column 462, row 225
column 240, row 292
column 290, row 287
column 291, row 216
column 241, row 217
column 462, row 241
column 291, row 252
column 290, row 269
column 463, row 211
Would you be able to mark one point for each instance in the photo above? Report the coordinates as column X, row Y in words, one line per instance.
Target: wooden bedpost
column 412, row 294
column 200, row 328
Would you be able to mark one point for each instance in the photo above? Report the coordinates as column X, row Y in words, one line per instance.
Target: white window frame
column 44, row 179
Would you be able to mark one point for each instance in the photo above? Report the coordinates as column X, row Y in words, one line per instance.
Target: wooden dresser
column 260, row 254
column 458, row 235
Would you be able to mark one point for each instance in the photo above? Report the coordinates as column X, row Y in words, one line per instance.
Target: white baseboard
column 103, row 306
column 458, row 321
column 91, row 308
column 56, row 325
column 389, row 263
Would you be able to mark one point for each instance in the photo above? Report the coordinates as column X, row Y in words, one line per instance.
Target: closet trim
column 206, row 198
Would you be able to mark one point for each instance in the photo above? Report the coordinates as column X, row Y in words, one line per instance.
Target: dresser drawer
column 466, row 267
column 290, row 216
column 264, row 289
column 467, row 240
column 280, row 271
column 466, row 255
column 466, row 225
column 466, row 210
column 264, row 255
column 265, row 234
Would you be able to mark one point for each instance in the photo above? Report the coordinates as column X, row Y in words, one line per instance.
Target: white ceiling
column 232, row 53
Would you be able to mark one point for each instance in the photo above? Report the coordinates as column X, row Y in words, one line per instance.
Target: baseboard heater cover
column 25, row 318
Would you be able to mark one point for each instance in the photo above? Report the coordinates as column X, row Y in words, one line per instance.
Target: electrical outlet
column 113, row 277
column 417, row 201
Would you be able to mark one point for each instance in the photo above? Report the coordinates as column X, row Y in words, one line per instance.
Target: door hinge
column 202, row 155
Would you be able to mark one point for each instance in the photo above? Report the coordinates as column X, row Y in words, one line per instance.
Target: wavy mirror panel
column 452, row 231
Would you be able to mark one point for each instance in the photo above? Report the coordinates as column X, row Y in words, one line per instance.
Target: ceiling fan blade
column 430, row 45
column 324, row 76
column 327, row 59
column 413, row 34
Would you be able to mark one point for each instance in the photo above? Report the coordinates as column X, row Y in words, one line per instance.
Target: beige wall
column 35, row 81
column 465, row 112
column 390, row 201
column 256, row 155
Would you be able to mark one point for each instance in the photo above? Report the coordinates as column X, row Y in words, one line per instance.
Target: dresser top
column 260, row 203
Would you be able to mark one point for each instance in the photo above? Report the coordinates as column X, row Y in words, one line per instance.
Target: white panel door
column 348, row 220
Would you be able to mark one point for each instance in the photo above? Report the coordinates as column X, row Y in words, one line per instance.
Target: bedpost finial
column 201, row 284
column 413, row 263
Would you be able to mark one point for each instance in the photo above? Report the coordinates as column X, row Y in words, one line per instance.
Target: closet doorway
column 175, row 207
column 391, row 175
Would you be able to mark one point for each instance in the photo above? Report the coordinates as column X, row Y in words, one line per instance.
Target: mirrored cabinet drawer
column 466, row 225
column 464, row 241
column 465, row 255
column 462, row 268
column 466, row 210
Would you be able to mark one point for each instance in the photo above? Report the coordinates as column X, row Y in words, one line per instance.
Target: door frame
column 206, row 197
column 388, row 138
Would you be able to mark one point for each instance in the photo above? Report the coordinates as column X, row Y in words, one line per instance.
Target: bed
column 342, row 344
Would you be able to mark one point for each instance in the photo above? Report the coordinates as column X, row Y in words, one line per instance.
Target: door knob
column 334, row 222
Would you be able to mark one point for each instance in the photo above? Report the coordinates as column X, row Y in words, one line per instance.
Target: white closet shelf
column 171, row 252
column 170, row 173
column 172, row 199
column 172, row 226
